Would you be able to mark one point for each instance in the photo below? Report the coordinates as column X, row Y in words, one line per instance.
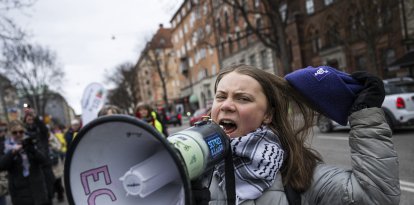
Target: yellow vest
column 62, row 141
column 157, row 124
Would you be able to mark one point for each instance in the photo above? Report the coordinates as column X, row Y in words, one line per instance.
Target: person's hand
column 29, row 111
column 17, row 148
column 373, row 93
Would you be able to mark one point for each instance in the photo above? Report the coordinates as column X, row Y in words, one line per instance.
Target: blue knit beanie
column 331, row 91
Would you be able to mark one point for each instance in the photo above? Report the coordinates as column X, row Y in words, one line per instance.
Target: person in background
column 4, row 188
column 109, row 110
column 56, row 152
column 72, row 131
column 38, row 129
column 58, row 131
column 146, row 112
column 24, row 161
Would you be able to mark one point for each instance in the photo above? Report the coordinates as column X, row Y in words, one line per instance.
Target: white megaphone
column 119, row 159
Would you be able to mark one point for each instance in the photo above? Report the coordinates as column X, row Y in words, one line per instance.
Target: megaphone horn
column 119, row 159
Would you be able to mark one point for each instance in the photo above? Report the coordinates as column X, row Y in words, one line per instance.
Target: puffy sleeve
column 374, row 177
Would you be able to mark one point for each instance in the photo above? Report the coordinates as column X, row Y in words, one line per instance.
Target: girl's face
column 239, row 105
column 143, row 112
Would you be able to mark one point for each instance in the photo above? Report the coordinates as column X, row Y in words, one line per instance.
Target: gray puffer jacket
column 373, row 178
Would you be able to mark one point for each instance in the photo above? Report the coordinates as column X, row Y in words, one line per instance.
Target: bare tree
column 125, row 79
column 34, row 71
column 270, row 28
column 154, row 53
column 368, row 22
column 8, row 28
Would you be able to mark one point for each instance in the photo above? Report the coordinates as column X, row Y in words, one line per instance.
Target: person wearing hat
column 37, row 129
column 109, row 110
column 248, row 98
column 72, row 131
column 145, row 112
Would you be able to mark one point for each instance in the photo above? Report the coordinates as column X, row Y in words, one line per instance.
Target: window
column 203, row 73
column 213, row 69
column 259, row 24
column 388, row 56
column 252, row 60
column 316, row 43
column 360, row 62
column 205, row 9
column 283, row 11
column 218, row 26
column 249, row 35
column 235, row 14
column 328, row 2
column 238, row 40
column 230, row 45
column 264, row 59
column 332, row 35
column 227, row 22
column 310, row 7
column 256, row 4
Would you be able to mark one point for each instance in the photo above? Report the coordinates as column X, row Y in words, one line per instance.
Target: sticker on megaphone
column 201, row 146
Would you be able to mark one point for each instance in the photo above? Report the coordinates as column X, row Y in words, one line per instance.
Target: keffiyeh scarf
column 257, row 158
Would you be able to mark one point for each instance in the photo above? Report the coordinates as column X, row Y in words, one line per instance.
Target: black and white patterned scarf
column 257, row 158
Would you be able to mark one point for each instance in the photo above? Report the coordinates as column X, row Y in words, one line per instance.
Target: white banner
column 93, row 100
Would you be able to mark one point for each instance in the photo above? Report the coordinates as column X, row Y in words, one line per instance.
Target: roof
column 161, row 39
column 406, row 60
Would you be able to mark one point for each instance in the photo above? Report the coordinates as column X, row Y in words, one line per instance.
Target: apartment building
column 9, row 100
column 194, row 45
column 158, row 71
column 237, row 44
column 208, row 35
column 348, row 35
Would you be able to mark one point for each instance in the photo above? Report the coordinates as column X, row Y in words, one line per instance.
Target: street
column 335, row 150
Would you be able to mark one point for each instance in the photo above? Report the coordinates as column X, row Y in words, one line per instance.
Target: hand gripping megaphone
column 119, row 159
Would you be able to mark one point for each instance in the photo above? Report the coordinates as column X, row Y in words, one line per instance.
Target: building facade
column 350, row 35
column 158, row 76
column 194, row 42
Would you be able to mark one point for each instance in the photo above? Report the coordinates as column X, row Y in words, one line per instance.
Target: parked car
column 398, row 106
column 198, row 114
column 174, row 118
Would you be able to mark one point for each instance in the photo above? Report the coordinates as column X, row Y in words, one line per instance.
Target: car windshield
column 398, row 88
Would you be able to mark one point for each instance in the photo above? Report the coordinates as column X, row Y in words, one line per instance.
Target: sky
column 92, row 37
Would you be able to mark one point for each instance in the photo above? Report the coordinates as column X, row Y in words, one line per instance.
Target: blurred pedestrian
column 57, row 166
column 4, row 188
column 37, row 129
column 109, row 110
column 145, row 112
column 72, row 131
column 24, row 161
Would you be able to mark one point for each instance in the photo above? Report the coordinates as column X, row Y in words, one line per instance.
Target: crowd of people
column 32, row 154
column 272, row 162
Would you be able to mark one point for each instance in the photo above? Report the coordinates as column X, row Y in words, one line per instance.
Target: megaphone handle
column 230, row 178
column 201, row 194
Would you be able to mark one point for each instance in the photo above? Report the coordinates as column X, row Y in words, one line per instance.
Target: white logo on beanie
column 320, row 71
